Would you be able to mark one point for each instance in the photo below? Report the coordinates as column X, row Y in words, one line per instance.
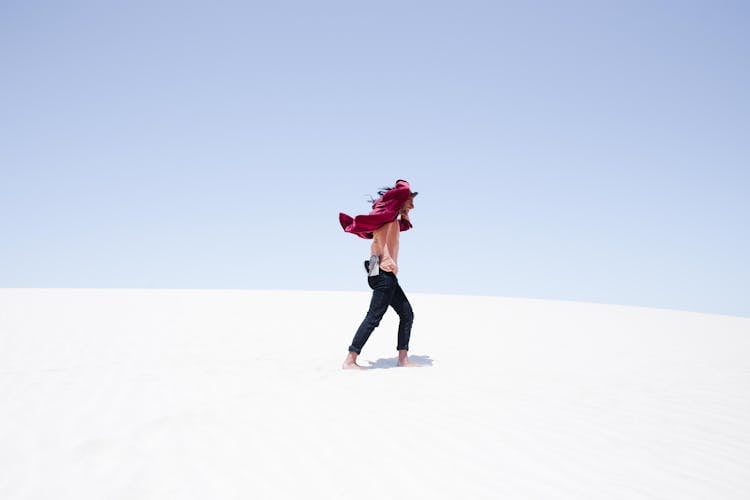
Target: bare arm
column 389, row 241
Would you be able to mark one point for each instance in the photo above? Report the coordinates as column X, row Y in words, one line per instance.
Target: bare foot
column 409, row 364
column 403, row 360
column 350, row 363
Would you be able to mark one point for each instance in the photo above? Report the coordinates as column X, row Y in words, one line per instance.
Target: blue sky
column 593, row 151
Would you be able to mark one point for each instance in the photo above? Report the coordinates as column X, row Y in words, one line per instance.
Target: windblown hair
column 382, row 191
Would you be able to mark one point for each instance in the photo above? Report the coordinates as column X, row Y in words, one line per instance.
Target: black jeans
column 385, row 292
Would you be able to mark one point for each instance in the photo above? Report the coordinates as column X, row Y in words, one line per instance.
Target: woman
column 389, row 216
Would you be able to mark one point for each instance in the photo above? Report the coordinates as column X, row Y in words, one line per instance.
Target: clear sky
column 595, row 151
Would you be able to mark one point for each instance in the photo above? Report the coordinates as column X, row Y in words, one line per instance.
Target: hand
column 388, row 265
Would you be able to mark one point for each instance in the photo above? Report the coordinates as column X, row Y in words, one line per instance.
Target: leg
column 383, row 286
column 401, row 305
column 406, row 315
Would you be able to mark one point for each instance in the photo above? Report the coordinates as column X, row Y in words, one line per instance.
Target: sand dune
column 137, row 394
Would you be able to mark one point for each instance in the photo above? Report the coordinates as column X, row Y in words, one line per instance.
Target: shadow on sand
column 385, row 363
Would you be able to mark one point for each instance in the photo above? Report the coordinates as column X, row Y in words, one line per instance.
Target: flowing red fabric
column 384, row 210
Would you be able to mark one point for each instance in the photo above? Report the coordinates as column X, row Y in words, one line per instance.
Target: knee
column 373, row 318
column 373, row 322
column 407, row 314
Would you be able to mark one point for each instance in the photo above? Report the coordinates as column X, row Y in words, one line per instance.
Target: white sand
column 132, row 394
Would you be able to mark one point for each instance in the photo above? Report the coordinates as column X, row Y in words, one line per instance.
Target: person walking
column 383, row 225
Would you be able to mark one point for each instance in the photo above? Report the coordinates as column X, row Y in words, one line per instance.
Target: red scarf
column 384, row 210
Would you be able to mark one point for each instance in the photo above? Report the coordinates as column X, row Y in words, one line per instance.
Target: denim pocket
column 382, row 281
